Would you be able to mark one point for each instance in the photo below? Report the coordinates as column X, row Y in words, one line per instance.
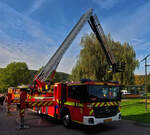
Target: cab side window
column 76, row 92
column 71, row 92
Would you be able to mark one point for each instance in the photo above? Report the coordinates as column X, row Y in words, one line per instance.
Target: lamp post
column 145, row 59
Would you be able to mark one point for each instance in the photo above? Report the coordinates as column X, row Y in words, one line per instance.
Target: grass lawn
column 134, row 109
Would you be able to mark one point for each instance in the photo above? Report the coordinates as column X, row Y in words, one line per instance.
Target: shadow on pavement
column 40, row 121
column 46, row 121
column 93, row 129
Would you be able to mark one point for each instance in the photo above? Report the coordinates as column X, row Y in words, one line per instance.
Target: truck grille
column 105, row 111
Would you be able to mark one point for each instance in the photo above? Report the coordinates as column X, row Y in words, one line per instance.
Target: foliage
column 139, row 79
column 58, row 77
column 61, row 77
column 32, row 75
column 92, row 62
column 16, row 73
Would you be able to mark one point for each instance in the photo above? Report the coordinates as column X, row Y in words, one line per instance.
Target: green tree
column 92, row 62
column 16, row 73
column 125, row 53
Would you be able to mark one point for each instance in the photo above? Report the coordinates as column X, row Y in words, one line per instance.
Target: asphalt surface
column 9, row 124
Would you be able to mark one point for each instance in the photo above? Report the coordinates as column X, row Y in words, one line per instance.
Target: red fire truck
column 87, row 102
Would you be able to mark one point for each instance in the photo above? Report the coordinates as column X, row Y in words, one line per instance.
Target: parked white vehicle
column 125, row 92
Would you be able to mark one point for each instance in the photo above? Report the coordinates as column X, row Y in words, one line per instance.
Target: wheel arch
column 64, row 110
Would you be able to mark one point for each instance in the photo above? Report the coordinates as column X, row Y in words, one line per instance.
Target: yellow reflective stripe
column 97, row 105
column 22, row 111
column 46, row 87
column 45, row 103
column 77, row 121
column 73, row 103
column 34, row 104
column 110, row 104
column 50, row 115
column 107, row 103
column 16, row 95
column 29, row 97
column 16, row 101
column 111, row 84
column 39, row 103
column 114, row 103
column 69, row 103
column 119, row 108
column 102, row 104
column 93, row 104
column 99, row 83
column 80, row 105
column 91, row 112
column 50, row 103
column 58, row 101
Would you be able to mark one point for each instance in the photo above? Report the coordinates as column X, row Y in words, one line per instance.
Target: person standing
column 2, row 99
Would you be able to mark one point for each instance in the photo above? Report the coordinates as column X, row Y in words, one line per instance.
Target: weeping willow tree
column 92, row 61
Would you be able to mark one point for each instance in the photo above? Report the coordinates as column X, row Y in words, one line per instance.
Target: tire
column 39, row 112
column 66, row 120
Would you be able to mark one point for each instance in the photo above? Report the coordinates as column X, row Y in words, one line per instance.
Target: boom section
column 97, row 29
column 52, row 64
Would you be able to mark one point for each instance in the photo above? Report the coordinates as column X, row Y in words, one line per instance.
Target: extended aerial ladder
column 97, row 29
column 50, row 68
column 36, row 101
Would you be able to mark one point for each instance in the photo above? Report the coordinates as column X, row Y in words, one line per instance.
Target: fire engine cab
column 86, row 102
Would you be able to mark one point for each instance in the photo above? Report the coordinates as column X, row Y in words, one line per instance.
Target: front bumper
column 91, row 120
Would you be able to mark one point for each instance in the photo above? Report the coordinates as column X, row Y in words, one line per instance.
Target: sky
column 32, row 30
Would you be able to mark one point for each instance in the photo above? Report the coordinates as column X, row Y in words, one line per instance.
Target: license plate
column 108, row 120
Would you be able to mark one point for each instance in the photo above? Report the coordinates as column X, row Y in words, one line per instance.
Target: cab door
column 78, row 105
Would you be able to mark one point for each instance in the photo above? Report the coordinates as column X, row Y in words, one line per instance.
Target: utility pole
column 146, row 80
column 146, row 84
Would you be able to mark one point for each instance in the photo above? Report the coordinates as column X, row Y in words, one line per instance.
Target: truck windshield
column 98, row 92
column 86, row 93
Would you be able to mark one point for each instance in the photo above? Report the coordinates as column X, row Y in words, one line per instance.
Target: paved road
column 47, row 126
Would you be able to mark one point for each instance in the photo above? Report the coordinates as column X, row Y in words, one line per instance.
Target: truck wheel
column 39, row 112
column 67, row 120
